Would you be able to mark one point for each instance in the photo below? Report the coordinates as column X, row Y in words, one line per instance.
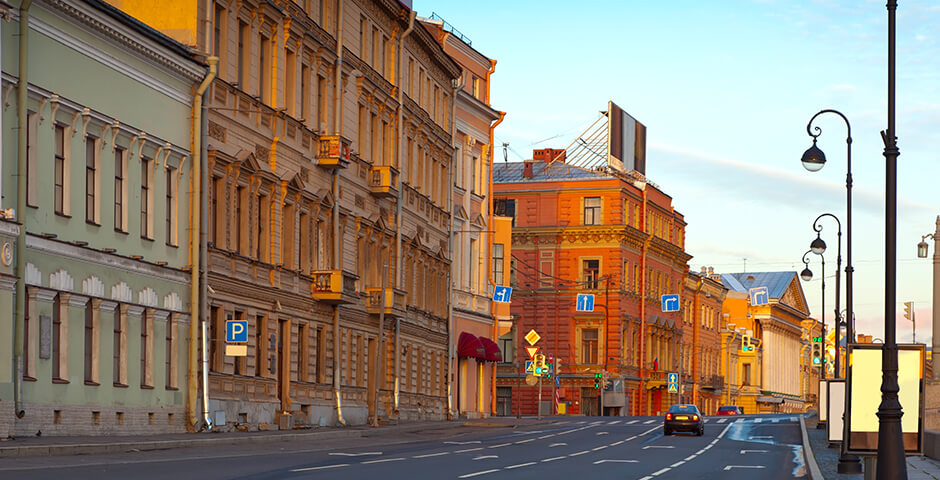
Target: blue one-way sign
column 671, row 303
column 236, row 331
column 502, row 294
column 585, row 302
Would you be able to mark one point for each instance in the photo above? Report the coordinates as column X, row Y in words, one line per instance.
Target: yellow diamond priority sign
column 532, row 337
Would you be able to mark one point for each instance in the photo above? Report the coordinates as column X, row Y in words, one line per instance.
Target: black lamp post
column 814, row 159
column 818, row 246
column 807, row 275
column 891, row 461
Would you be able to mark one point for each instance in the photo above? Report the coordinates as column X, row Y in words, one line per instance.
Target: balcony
column 384, row 181
column 333, row 286
column 333, row 152
column 713, row 382
column 394, row 301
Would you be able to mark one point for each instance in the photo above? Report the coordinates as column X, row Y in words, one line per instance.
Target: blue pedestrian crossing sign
column 236, row 331
column 585, row 302
column 673, row 383
column 530, row 366
column 671, row 303
column 759, row 296
column 502, row 294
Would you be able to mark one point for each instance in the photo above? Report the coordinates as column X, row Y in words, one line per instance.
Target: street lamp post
column 818, row 246
column 807, row 275
column 922, row 253
column 891, row 461
column 813, row 160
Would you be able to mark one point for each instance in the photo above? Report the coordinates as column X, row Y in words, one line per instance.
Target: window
column 59, row 190
column 625, row 282
column 171, row 206
column 120, row 190
column 592, row 211
column 218, row 30
column 287, row 236
column 264, row 67
column 215, row 220
column 120, row 348
column 32, row 123
column 290, row 83
column 321, row 104
column 170, row 354
column 477, row 91
column 304, row 90
column 746, row 380
column 590, row 273
column 58, row 333
column 146, row 198
column 261, row 350
column 505, row 207
column 91, row 179
column 146, row 353
column 241, row 219
column 91, row 345
column 264, row 238
column 244, row 50
column 303, row 353
column 474, row 258
column 498, row 263
column 589, row 346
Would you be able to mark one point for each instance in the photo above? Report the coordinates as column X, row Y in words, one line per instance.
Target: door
column 283, row 363
column 590, row 402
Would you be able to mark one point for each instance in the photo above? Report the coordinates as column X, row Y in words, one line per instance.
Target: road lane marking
column 680, row 462
column 484, row 457
column 631, row 438
column 520, row 465
column 753, row 451
column 320, row 468
column 723, row 420
column 599, row 448
column 546, row 436
column 558, row 444
column 690, row 457
column 467, row 443
column 554, row 458
column 382, row 460
column 722, row 434
column 484, row 472
column 601, row 433
column 658, row 446
column 775, row 420
column 469, row 450
column 648, row 422
column 616, row 443
column 758, row 420
column 578, row 453
column 701, row 451
column 755, row 437
column 729, row 467
column 500, row 445
column 660, row 472
column 631, row 422
column 615, row 461
column 614, row 422
column 426, row 455
column 344, row 454
column 525, row 441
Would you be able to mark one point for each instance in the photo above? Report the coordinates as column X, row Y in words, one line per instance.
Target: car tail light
column 668, row 416
column 694, row 417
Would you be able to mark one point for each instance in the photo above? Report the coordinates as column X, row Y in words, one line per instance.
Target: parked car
column 730, row 410
column 686, row 418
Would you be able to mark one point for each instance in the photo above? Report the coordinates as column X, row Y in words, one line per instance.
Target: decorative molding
column 135, row 310
column 173, row 302
column 78, row 301
column 121, row 292
column 161, row 315
column 43, row 295
column 108, row 306
column 147, row 297
column 93, row 286
column 33, row 275
column 61, row 280
column 7, row 283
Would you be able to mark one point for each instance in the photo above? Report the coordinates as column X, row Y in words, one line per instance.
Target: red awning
column 469, row 345
column 492, row 350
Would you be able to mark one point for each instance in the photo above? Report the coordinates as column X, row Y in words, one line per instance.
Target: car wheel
column 701, row 431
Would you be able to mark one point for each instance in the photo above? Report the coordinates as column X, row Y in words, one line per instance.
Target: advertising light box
column 864, row 390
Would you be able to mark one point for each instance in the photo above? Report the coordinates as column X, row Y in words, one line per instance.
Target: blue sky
column 725, row 90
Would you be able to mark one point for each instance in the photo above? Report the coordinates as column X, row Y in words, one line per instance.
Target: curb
column 808, row 456
column 221, row 439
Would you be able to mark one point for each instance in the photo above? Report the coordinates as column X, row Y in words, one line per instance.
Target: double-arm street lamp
column 813, row 160
column 922, row 253
column 807, row 275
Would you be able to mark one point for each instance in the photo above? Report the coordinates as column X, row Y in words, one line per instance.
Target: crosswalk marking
column 723, row 420
column 614, row 422
column 648, row 422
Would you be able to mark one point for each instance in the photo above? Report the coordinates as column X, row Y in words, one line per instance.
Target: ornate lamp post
column 807, row 275
column 818, row 246
column 813, row 160
column 922, row 253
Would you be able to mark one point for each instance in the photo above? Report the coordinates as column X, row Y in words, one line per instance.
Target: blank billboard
column 626, row 148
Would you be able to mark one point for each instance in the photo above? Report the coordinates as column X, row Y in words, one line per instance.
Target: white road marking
column 615, row 461
column 546, row 436
column 723, row 420
column 343, row 454
column 755, row 437
column 554, row 458
column 525, row 441
column 484, row 457
column 500, row 445
column 680, row 462
column 722, row 434
column 582, row 422
column 469, row 450
column 753, row 451
column 729, row 467
column 558, row 444
column 463, row 443
column 631, row 438
column 660, row 472
column 578, row 453
column 648, row 422
column 598, row 448
column 320, row 468
column 646, row 478
column 616, row 443
column 658, row 446
column 520, row 465
column 382, row 460
column 614, row 422
column 775, row 420
column 426, row 455
column 701, row 451
column 706, row 420
column 690, row 457
column 601, row 433
column 484, row 472
column 758, row 420
column 631, row 422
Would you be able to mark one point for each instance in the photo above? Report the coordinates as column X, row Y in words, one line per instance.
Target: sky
column 725, row 90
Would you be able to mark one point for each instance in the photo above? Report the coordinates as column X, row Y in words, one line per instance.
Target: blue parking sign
column 236, row 331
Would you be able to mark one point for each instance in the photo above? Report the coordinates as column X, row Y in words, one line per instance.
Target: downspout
column 643, row 287
column 451, row 350
column 196, row 245
column 337, row 241
column 489, row 245
column 696, row 321
column 402, row 157
column 21, row 120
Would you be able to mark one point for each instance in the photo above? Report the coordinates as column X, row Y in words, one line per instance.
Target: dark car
column 730, row 410
column 684, row 418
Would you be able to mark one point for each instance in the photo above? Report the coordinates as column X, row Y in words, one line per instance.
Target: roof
column 511, row 172
column 776, row 282
column 142, row 28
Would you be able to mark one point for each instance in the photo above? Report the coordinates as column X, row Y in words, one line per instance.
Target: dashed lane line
column 599, row 448
column 519, row 465
column 631, row 422
column 723, row 420
column 554, row 458
column 616, row 443
column 680, row 462
column 383, row 460
column 690, row 457
column 660, row 472
column 559, row 444
column 320, row 468
column 526, row 441
column 474, row 474
column 579, row 453
column 648, row 422
column 469, row 450
column 500, row 445
column 426, row 455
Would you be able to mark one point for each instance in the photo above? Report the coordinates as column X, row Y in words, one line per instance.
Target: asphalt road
column 748, row 447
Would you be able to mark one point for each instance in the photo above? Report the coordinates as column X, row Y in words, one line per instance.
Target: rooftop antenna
column 745, row 265
column 505, row 152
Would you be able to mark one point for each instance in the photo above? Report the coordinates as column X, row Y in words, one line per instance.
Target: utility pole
column 538, row 406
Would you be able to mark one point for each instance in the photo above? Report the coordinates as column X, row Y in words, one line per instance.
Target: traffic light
column 746, row 345
column 597, row 380
column 817, row 353
column 907, row 309
column 539, row 365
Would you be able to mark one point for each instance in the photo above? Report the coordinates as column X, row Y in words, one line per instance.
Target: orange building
column 604, row 231
column 702, row 372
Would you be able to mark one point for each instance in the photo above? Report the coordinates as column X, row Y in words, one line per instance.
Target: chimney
column 526, row 169
column 549, row 154
column 704, row 271
column 711, row 271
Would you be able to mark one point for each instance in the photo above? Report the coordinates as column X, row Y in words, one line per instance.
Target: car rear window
column 727, row 409
column 682, row 408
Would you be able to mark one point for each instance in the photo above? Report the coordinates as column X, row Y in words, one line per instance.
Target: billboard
column 626, row 145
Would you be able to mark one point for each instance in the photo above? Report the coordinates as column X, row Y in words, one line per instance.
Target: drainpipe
column 197, row 244
column 696, row 321
column 642, row 360
column 451, row 351
column 492, row 235
column 402, row 156
column 21, row 120
column 337, row 241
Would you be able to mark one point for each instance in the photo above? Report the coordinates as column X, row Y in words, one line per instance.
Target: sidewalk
column 91, row 445
column 918, row 468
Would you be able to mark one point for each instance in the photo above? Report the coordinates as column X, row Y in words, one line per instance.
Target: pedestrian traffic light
column 817, row 353
column 907, row 309
column 597, row 380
